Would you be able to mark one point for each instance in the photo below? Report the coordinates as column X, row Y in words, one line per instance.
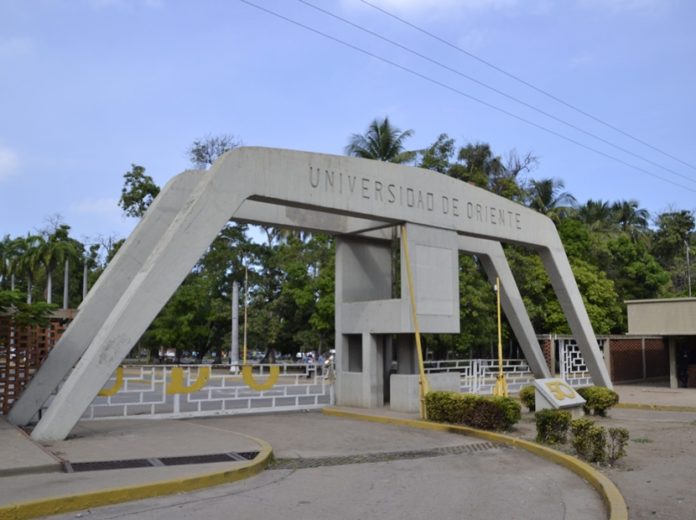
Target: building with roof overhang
column 675, row 320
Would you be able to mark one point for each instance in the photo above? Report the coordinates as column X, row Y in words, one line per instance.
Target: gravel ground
column 658, row 475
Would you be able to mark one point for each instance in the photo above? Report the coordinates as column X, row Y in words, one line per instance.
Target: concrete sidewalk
column 656, row 395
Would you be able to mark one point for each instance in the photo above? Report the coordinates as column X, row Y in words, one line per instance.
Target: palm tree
column 630, row 218
column 597, row 214
column 54, row 251
column 546, row 197
column 29, row 261
column 5, row 260
column 381, row 142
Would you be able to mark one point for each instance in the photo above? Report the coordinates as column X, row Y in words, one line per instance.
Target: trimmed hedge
column 589, row 440
column 486, row 413
column 528, row 397
column 599, row 399
column 552, row 426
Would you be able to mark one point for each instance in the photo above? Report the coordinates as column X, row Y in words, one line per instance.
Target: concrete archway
column 355, row 199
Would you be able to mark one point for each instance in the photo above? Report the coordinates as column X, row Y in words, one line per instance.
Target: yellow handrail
column 500, row 383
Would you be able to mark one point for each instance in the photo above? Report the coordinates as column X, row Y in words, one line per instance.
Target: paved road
column 348, row 469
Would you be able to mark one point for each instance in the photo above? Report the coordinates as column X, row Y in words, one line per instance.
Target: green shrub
column 589, row 440
column 449, row 407
column 599, row 399
column 489, row 413
column 552, row 426
column 618, row 439
column 512, row 411
column 528, row 397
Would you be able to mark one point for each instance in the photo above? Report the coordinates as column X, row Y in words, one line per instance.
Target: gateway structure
column 361, row 202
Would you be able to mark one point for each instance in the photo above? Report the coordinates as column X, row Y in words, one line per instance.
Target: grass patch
column 642, row 440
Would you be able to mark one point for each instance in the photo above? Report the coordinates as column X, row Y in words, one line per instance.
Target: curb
column 66, row 504
column 656, row 407
column 612, row 497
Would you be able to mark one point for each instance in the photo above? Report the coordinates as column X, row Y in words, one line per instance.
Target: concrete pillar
column 672, row 342
column 373, row 375
column 104, row 296
column 645, row 365
column 568, row 294
column 495, row 264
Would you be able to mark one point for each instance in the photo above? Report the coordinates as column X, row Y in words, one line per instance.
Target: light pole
column 234, row 352
column 688, row 266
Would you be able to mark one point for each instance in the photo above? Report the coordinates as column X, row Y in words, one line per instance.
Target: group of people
column 321, row 364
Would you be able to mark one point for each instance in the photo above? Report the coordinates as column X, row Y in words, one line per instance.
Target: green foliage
column 138, row 192
column 528, row 397
column 488, row 413
column 25, row 314
column 598, row 399
column 636, row 273
column 438, row 155
column 673, row 230
column 618, row 439
column 512, row 412
column 613, row 253
column 478, row 325
column 589, row 440
column 552, row 426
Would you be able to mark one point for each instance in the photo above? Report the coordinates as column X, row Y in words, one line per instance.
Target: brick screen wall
column 22, row 351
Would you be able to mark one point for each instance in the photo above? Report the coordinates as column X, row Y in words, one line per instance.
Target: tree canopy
column 617, row 251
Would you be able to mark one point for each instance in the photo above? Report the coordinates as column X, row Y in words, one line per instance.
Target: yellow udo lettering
column 177, row 385
column 560, row 390
column 113, row 390
column 248, row 377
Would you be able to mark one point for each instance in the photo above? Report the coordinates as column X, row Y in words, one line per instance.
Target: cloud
column 125, row 4
column 416, row 6
column 97, row 206
column 16, row 47
column 581, row 60
column 9, row 163
column 619, row 6
column 473, row 39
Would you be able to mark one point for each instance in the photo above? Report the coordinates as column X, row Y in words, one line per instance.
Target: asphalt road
column 343, row 469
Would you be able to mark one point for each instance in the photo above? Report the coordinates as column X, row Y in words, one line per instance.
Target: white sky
column 88, row 87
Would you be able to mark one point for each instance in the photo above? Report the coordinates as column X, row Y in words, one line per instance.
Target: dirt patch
column 658, row 475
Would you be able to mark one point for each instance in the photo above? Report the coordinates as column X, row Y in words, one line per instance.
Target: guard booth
column 675, row 320
column 375, row 341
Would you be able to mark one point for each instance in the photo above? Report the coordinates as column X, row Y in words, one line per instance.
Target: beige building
column 675, row 320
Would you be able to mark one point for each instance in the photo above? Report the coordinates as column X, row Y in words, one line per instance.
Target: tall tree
column 381, row 142
column 204, row 152
column 477, row 164
column 674, row 229
column 138, row 192
column 438, row 156
column 57, row 249
column 547, row 196
column 598, row 215
column 29, row 263
column 631, row 218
